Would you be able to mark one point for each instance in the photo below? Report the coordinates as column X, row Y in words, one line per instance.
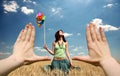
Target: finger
column 88, row 36
column 20, row 35
column 32, row 38
column 25, row 32
column 38, row 58
column 28, row 35
column 81, row 58
column 97, row 33
column 92, row 32
column 41, row 58
column 103, row 37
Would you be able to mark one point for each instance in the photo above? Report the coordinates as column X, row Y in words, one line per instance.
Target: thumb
column 38, row 58
column 84, row 58
column 81, row 58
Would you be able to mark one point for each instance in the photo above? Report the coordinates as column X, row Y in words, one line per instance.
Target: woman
column 60, row 50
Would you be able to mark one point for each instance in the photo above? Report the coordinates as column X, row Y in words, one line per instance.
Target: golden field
column 36, row 69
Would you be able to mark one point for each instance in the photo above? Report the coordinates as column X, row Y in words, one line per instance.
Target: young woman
column 60, row 51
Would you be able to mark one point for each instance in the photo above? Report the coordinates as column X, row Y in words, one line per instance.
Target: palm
column 93, row 56
column 97, row 45
column 24, row 45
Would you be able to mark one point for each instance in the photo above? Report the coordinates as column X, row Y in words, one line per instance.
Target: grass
column 36, row 69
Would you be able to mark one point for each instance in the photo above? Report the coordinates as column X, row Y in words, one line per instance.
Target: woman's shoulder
column 54, row 43
column 66, row 43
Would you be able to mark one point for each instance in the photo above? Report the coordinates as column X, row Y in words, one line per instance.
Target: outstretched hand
column 24, row 45
column 22, row 51
column 98, row 48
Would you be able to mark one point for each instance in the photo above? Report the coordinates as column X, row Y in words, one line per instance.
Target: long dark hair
column 57, row 36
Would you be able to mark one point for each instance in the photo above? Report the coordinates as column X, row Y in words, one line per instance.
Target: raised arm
column 50, row 51
column 98, row 50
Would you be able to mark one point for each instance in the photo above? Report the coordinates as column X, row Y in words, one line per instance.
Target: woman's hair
column 57, row 36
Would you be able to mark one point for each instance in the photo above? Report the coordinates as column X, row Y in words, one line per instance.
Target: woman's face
column 60, row 33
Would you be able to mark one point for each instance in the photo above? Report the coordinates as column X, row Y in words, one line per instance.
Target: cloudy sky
column 71, row 16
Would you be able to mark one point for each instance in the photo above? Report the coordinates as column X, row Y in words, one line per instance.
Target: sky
column 72, row 16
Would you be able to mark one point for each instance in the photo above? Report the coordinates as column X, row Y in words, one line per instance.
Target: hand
column 98, row 48
column 71, row 65
column 45, row 46
column 24, row 45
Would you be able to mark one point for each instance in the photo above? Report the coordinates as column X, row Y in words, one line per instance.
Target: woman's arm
column 67, row 53
column 50, row 51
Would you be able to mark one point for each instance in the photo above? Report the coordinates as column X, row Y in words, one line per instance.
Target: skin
column 66, row 48
column 22, row 51
column 98, row 51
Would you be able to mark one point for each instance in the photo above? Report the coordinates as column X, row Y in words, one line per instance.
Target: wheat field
column 36, row 69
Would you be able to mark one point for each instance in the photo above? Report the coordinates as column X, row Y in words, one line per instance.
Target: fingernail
column 22, row 30
column 27, row 26
column 32, row 27
column 100, row 28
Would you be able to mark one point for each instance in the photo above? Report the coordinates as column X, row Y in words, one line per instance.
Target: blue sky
column 71, row 16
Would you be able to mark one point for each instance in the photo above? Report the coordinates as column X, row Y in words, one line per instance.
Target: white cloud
column 39, row 49
column 109, row 28
column 99, row 23
column 71, row 54
column 27, row 11
column 10, row 6
column 78, row 34
column 5, row 53
column 5, row 46
column 75, row 49
column 34, row 3
column 71, row 46
column 78, row 48
column 108, row 6
column 9, row 47
column 81, row 53
column 29, row 1
column 56, row 11
column 67, row 34
column 5, row 12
